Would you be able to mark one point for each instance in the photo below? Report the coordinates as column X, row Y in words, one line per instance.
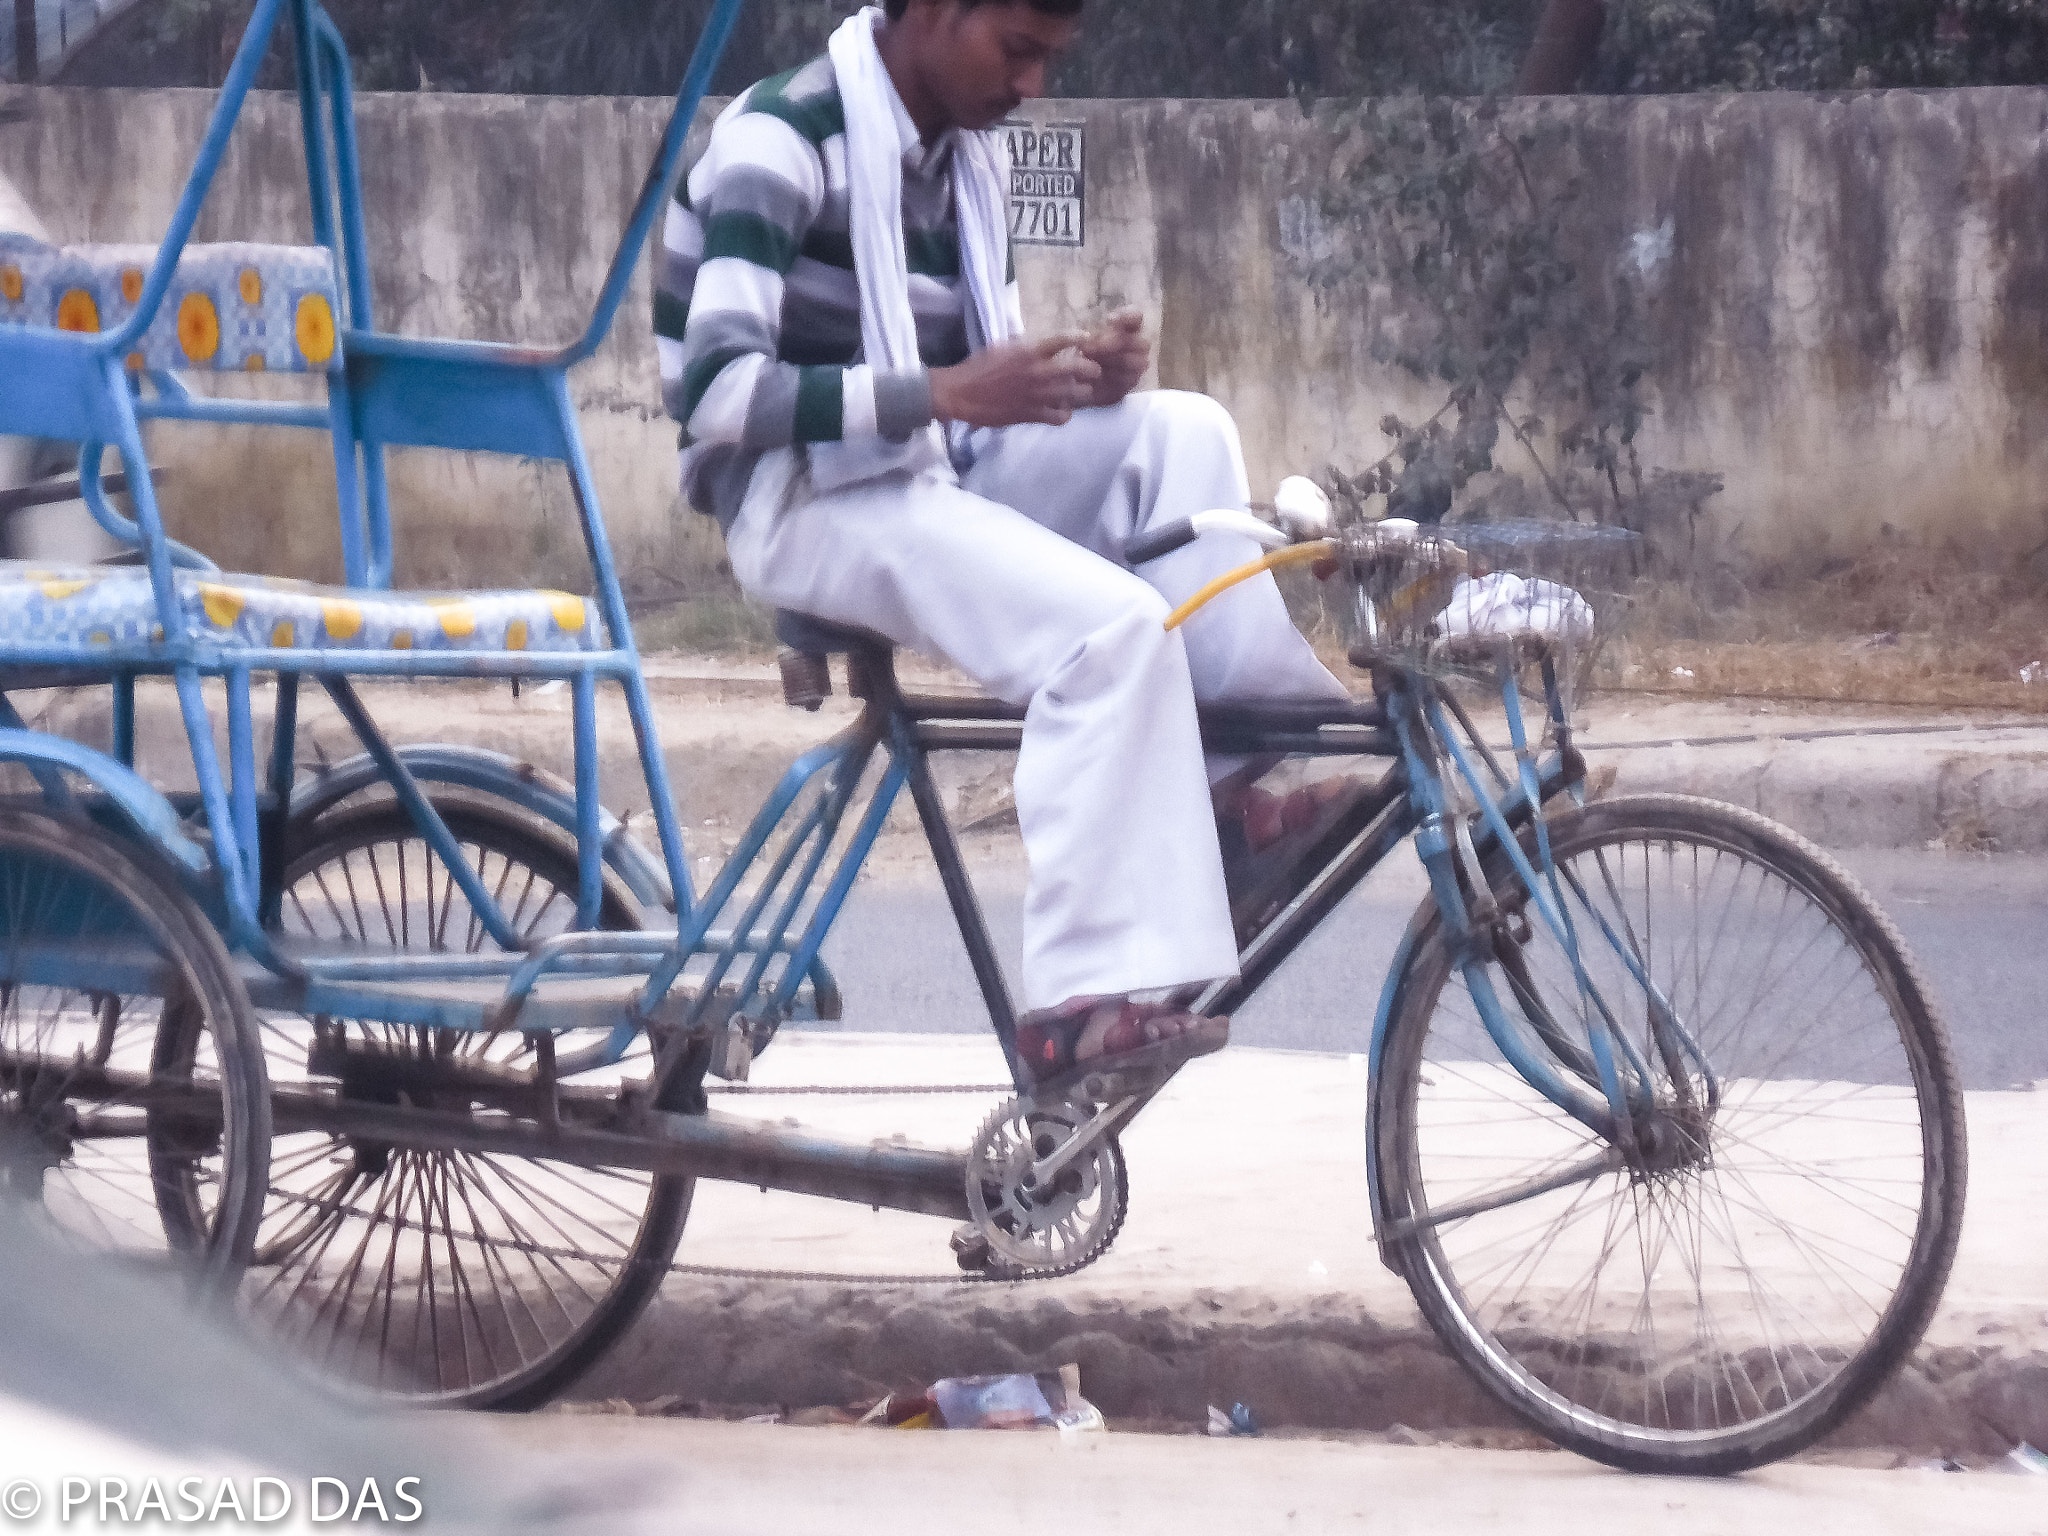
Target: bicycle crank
column 1045, row 1187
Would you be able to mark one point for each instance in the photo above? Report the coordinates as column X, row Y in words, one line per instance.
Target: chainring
column 1044, row 1231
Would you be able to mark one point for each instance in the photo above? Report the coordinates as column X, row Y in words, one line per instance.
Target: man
column 840, row 337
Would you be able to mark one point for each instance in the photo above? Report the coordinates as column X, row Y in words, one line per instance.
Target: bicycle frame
column 1411, row 799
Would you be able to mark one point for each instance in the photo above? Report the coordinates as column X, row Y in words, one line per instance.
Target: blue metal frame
column 382, row 391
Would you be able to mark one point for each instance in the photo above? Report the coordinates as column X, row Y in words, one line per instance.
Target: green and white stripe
column 757, row 305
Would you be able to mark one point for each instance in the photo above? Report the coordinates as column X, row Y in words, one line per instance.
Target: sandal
column 1100, row 1048
column 1265, row 836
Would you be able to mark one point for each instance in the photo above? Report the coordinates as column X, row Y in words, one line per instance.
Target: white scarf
column 874, row 175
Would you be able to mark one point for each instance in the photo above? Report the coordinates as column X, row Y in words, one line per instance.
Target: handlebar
column 1184, row 531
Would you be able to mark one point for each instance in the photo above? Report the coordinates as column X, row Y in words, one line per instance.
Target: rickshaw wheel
column 436, row 1278
column 134, row 1114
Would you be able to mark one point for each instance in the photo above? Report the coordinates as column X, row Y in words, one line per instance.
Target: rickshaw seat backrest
column 231, row 308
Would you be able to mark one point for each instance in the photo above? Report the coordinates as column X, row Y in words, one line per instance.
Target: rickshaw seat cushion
column 233, row 308
column 820, row 637
column 82, row 607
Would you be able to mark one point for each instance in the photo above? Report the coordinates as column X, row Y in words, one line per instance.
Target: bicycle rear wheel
column 425, row 1276
column 1725, row 1280
column 133, row 1111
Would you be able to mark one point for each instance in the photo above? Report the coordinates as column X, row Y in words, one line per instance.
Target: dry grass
column 1894, row 627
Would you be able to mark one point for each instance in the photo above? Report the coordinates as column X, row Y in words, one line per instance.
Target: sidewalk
column 1246, row 1271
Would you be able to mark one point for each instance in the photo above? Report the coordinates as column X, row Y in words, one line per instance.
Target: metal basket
column 1450, row 599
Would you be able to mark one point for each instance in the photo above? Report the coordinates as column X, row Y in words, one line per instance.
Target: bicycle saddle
column 818, row 637
column 807, row 641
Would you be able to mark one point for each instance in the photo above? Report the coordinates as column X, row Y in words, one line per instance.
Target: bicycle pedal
column 732, row 1050
column 970, row 1248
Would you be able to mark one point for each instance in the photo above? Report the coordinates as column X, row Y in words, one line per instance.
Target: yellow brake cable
column 1292, row 554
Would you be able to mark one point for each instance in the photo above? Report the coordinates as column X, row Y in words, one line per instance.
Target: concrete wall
column 1854, row 313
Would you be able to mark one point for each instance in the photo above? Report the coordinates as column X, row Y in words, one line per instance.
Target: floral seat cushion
column 236, row 307
column 85, row 606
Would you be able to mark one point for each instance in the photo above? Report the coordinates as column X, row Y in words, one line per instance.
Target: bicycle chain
column 843, row 1089
column 735, row 1272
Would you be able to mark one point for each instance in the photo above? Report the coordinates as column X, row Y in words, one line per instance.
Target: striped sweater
column 757, row 307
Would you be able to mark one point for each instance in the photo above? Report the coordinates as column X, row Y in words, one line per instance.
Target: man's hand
column 1016, row 382
column 1120, row 350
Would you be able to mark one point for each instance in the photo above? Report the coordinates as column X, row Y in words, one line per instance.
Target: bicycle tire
column 486, row 1213
column 151, row 1184
column 1695, row 1395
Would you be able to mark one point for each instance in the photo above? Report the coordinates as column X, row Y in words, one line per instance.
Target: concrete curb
column 1978, row 791
column 1308, row 1362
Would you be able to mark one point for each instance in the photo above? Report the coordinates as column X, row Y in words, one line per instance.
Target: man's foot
column 1108, row 1046
column 1264, row 836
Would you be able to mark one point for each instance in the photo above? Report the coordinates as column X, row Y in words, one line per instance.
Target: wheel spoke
column 436, row 1275
column 1732, row 1284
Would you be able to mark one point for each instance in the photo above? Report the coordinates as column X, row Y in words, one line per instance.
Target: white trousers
column 1011, row 568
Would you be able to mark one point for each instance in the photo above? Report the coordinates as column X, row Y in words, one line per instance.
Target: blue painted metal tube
column 1601, row 1042
column 242, row 774
column 851, row 767
column 377, row 509
column 589, row 837
column 618, row 623
column 424, row 817
column 255, row 413
column 227, row 856
column 690, row 931
column 794, row 778
column 505, row 778
column 805, row 831
column 215, row 660
column 156, row 548
column 276, row 821
column 668, row 829
column 348, row 485
column 1432, row 842
column 234, row 90
column 355, row 250
column 565, row 949
column 660, row 177
column 138, row 801
column 843, row 878
column 312, row 130
column 519, row 971
column 124, row 718
column 92, row 491
column 592, row 953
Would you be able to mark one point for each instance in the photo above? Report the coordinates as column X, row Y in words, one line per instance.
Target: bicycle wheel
column 460, row 1279
column 1720, row 1279
column 133, row 1108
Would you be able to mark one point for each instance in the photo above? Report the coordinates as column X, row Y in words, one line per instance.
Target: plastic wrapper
column 1048, row 1400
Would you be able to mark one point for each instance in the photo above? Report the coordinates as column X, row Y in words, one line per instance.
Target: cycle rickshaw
column 409, row 1056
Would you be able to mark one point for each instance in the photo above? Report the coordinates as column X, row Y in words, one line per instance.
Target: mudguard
column 534, row 790
column 140, row 805
column 541, row 794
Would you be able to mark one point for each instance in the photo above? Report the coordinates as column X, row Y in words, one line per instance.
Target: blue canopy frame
column 383, row 391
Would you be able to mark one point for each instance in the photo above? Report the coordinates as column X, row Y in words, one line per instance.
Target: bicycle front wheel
column 1724, row 1275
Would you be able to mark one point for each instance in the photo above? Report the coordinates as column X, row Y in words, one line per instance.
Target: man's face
column 981, row 62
